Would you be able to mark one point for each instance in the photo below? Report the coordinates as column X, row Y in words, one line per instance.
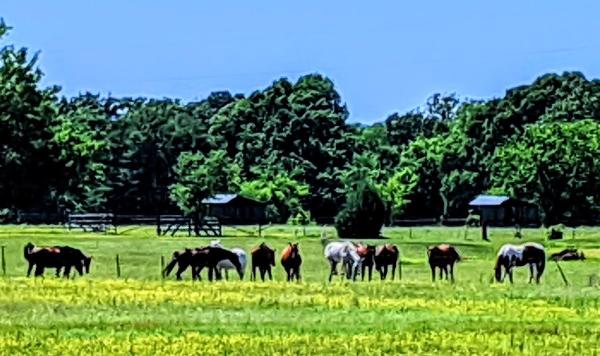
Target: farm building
column 505, row 211
column 235, row 209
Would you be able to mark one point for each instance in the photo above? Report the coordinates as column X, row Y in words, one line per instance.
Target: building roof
column 489, row 200
column 218, row 199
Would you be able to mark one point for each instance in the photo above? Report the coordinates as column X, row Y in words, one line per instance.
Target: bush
column 363, row 215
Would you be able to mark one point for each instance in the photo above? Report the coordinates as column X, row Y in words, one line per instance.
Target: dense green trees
column 290, row 144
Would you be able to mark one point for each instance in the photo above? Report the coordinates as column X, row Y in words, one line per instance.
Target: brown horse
column 569, row 254
column 56, row 257
column 183, row 260
column 367, row 253
column 385, row 256
column 442, row 257
column 210, row 257
column 291, row 261
column 263, row 257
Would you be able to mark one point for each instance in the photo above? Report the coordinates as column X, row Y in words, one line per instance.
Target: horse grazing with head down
column 367, row 253
column 56, row 257
column 226, row 265
column 291, row 261
column 442, row 257
column 385, row 256
column 210, row 257
column 263, row 258
column 344, row 252
column 510, row 256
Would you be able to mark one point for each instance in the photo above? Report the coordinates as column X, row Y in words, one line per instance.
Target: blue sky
column 383, row 56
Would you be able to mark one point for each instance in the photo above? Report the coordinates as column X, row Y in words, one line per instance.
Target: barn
column 235, row 209
column 499, row 210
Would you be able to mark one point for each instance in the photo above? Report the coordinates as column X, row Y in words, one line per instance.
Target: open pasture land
column 141, row 314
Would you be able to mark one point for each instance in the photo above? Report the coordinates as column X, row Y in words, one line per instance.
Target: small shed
column 499, row 210
column 235, row 209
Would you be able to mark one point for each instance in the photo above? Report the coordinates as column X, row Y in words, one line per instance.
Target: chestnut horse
column 385, row 256
column 56, row 257
column 442, row 257
column 510, row 256
column 291, row 261
column 367, row 253
column 263, row 257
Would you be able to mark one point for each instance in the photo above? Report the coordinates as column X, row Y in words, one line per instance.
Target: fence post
column 3, row 261
column 118, row 265
column 410, row 233
column 162, row 267
column 259, row 230
column 400, row 270
column 158, row 224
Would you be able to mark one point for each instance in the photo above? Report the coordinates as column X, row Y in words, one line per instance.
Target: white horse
column 343, row 252
column 226, row 265
column 510, row 256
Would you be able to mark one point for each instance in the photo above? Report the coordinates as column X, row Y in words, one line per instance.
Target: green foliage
column 363, row 214
column 199, row 177
column 285, row 194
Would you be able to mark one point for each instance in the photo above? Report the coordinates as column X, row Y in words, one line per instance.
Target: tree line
column 290, row 144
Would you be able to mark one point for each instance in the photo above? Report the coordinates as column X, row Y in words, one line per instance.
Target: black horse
column 263, row 258
column 183, row 260
column 209, row 257
column 56, row 257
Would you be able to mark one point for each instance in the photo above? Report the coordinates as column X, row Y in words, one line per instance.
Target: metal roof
column 219, row 199
column 489, row 200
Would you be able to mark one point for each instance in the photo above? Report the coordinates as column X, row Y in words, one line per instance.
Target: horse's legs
column 362, row 272
column 67, row 271
column 39, row 270
column 393, row 271
column 180, row 270
column 531, row 272
column 446, row 271
column 452, row 272
column 332, row 270
column 432, row 273
column 226, row 274
column 297, row 270
column 269, row 273
column 57, row 272
column 370, row 272
column 30, row 268
column 510, row 275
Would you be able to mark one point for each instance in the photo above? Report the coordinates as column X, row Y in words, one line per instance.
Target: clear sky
column 383, row 56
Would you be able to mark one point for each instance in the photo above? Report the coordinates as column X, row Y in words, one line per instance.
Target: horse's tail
column 541, row 265
column 171, row 264
column 27, row 250
column 498, row 267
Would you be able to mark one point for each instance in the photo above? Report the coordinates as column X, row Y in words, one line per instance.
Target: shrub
column 363, row 215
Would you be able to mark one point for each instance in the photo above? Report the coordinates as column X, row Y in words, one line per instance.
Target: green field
column 142, row 314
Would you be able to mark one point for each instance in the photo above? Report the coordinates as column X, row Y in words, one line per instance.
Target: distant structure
column 235, row 209
column 499, row 210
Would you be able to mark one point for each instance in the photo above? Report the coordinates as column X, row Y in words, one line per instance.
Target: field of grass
column 142, row 314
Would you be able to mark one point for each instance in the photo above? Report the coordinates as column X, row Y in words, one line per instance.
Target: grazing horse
column 291, row 261
column 367, row 253
column 263, row 257
column 225, row 265
column 56, row 257
column 210, row 257
column 385, row 256
column 183, row 260
column 343, row 252
column 442, row 257
column 510, row 256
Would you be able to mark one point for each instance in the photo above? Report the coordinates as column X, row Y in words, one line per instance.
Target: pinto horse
column 56, row 257
column 510, row 256
column 263, row 257
column 442, row 257
column 385, row 256
column 367, row 253
column 291, row 261
column 342, row 252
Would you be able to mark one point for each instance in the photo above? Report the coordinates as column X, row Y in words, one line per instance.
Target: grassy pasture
column 141, row 314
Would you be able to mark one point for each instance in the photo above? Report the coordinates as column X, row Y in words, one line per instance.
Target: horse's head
column 28, row 249
column 87, row 261
column 295, row 251
column 500, row 261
